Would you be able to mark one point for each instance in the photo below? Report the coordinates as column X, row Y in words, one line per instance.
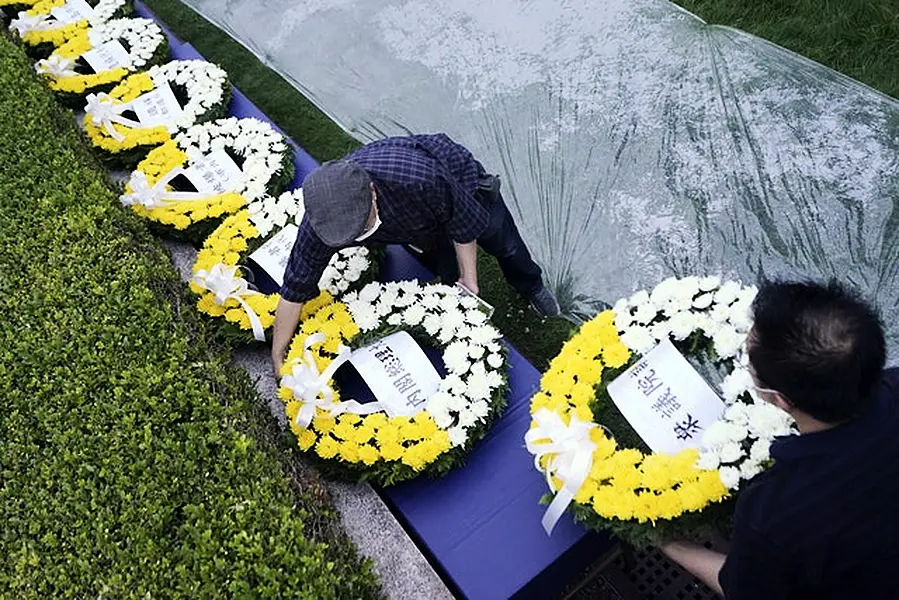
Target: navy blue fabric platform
column 480, row 525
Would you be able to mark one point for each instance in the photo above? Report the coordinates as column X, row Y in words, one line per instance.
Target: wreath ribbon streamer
column 570, row 453
column 26, row 23
column 101, row 109
column 314, row 388
column 56, row 66
column 224, row 282
column 153, row 196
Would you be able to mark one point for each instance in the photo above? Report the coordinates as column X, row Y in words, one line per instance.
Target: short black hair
column 820, row 345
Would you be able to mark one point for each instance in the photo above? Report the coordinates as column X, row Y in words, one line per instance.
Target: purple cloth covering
column 479, row 525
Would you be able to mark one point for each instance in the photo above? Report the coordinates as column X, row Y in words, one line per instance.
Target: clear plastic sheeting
column 634, row 141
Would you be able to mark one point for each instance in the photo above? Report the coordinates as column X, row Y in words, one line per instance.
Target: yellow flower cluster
column 623, row 483
column 78, row 84
column 22, row 2
column 224, row 246
column 414, row 441
column 55, row 35
column 159, row 162
column 126, row 91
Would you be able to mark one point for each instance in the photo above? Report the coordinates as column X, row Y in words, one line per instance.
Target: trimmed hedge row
column 131, row 461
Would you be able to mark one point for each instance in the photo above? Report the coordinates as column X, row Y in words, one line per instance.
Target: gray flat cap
column 337, row 198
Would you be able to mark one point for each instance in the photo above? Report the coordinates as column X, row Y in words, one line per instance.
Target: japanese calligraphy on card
column 399, row 373
column 665, row 400
column 157, row 107
column 214, row 173
column 273, row 255
column 107, row 56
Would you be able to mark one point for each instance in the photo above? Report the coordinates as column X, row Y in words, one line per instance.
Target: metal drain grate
column 657, row 578
column 644, row 575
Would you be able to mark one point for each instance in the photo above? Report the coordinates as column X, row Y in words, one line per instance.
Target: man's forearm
column 287, row 317
column 467, row 257
column 705, row 564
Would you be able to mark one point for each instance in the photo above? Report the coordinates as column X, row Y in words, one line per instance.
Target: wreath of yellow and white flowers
column 143, row 42
column 376, row 446
column 57, row 21
column 205, row 88
column 643, row 496
column 267, row 169
column 217, row 276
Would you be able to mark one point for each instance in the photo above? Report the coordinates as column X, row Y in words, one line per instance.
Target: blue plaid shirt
column 425, row 186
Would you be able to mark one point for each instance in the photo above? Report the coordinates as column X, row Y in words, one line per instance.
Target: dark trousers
column 501, row 240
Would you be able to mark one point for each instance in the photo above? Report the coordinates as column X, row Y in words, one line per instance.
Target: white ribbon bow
column 25, row 23
column 224, row 282
column 570, row 452
column 156, row 195
column 102, row 109
column 56, row 66
column 314, row 388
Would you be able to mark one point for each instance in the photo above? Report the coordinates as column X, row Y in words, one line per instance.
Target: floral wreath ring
column 204, row 90
column 224, row 292
column 45, row 23
column 616, row 484
column 266, row 169
column 361, row 440
column 142, row 39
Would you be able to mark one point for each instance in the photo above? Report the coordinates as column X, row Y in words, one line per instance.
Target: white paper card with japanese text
column 398, row 372
column 157, row 107
column 105, row 57
column 273, row 255
column 72, row 12
column 214, row 173
column 665, row 400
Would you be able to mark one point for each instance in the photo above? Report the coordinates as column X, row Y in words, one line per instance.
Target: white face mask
column 373, row 229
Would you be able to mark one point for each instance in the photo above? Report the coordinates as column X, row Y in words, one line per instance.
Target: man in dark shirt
column 405, row 190
column 823, row 521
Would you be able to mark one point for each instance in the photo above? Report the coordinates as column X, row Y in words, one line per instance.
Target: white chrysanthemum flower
column 495, row 361
column 682, row 325
column 707, row 284
column 716, row 435
column 455, row 356
column 727, row 342
column 638, row 339
column 708, row 461
column 467, row 419
column 730, row 452
column 365, row 317
column 646, row 313
column 736, row 383
column 431, row 324
column 414, row 314
column 728, row 293
column 484, row 335
column 639, row 298
column 750, row 469
column 457, row 436
column 480, row 409
column 760, row 450
column 478, row 386
column 703, row 301
column 730, row 477
column 476, row 352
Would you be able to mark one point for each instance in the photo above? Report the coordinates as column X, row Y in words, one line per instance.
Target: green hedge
column 133, row 463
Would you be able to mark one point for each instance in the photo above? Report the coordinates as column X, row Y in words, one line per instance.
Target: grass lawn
column 134, row 461
column 859, row 38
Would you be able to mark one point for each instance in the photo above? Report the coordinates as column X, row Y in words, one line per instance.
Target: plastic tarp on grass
column 634, row 140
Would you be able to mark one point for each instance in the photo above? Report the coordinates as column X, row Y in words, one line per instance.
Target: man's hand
column 467, row 257
column 287, row 317
column 703, row 563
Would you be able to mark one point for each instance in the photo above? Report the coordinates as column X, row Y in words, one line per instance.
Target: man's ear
column 778, row 400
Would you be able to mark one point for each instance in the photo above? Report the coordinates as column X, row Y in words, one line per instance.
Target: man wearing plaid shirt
column 417, row 190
